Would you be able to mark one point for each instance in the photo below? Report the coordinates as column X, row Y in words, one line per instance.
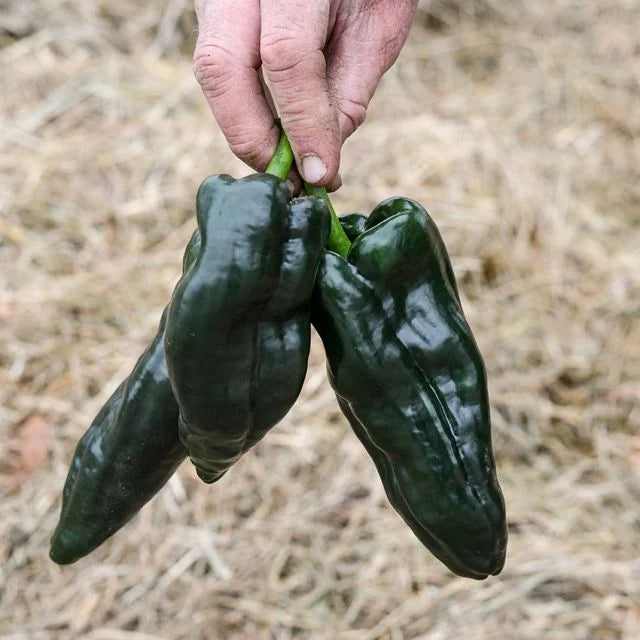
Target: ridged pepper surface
column 238, row 330
column 128, row 453
column 411, row 381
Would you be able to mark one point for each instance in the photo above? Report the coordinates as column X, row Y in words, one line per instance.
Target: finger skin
column 367, row 39
column 321, row 61
column 292, row 40
column 226, row 62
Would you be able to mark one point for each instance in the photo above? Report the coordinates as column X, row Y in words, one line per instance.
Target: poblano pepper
column 410, row 379
column 128, row 453
column 353, row 224
column 238, row 330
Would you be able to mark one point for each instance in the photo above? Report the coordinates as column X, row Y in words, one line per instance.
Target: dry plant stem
column 280, row 165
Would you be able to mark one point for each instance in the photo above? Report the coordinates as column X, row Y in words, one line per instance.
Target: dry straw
column 519, row 129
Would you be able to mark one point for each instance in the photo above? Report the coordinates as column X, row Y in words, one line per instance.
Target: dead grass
column 519, row 129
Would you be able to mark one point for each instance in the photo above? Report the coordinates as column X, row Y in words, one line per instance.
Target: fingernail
column 290, row 186
column 313, row 169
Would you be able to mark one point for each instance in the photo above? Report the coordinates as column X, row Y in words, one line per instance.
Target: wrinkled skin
column 411, row 381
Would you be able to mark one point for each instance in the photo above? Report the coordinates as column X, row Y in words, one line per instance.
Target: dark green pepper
column 238, row 331
column 128, row 453
column 411, row 381
column 353, row 224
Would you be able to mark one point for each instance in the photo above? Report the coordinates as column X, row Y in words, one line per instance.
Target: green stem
column 280, row 165
column 338, row 241
column 282, row 159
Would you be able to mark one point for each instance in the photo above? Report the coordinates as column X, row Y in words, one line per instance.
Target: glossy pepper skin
column 411, row 381
column 353, row 224
column 238, row 330
column 128, row 453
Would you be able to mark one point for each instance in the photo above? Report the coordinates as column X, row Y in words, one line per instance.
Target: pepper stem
column 282, row 159
column 280, row 165
column 338, row 241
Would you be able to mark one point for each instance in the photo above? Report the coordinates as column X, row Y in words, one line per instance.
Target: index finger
column 226, row 62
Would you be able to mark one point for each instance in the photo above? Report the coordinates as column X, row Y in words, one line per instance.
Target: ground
column 518, row 127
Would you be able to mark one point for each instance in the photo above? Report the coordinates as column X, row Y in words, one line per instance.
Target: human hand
column 322, row 61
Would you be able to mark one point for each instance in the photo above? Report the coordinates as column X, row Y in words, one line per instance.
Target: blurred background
column 517, row 125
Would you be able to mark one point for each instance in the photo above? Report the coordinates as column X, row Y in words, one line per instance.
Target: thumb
column 293, row 64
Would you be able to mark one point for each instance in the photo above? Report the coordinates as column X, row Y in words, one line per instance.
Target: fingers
column 226, row 62
column 319, row 104
column 365, row 43
column 293, row 36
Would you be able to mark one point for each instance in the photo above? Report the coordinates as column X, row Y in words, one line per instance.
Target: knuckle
column 304, row 127
column 212, row 62
column 281, row 52
column 310, row 112
column 246, row 147
column 300, row 115
column 354, row 111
